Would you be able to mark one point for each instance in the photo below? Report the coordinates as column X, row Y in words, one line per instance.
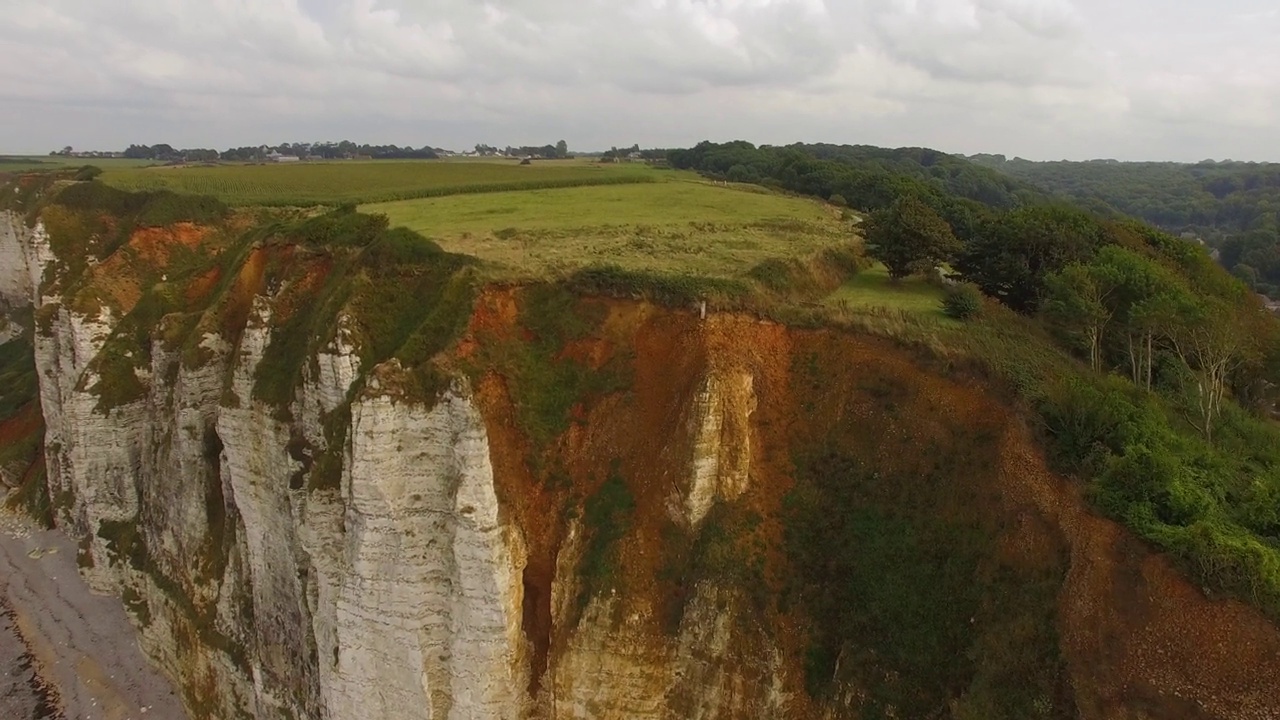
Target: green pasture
column 678, row 225
column 872, row 288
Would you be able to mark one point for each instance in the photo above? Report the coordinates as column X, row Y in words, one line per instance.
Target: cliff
column 336, row 480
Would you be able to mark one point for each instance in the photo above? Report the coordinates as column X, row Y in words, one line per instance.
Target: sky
column 1042, row 79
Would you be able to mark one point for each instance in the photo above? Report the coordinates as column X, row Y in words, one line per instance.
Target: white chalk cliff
column 394, row 593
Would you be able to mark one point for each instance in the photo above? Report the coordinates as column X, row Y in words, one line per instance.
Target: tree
column 139, row 152
column 1212, row 340
column 1246, row 274
column 1010, row 255
column 562, row 149
column 909, row 237
column 1079, row 299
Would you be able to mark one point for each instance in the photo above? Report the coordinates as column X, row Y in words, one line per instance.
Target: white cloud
column 1042, row 78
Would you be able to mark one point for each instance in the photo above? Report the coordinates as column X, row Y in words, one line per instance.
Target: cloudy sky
column 1044, row 79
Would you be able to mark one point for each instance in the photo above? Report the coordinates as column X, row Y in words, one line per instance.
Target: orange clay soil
column 148, row 249
column 1138, row 639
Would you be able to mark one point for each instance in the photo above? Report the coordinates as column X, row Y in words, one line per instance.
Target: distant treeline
column 327, row 151
column 1233, row 206
column 559, row 150
column 866, row 178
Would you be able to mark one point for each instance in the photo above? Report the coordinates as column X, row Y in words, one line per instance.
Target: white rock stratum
column 394, row 593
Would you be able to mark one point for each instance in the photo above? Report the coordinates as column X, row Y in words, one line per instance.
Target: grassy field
column 872, row 288
column 23, row 163
column 676, row 225
column 332, row 183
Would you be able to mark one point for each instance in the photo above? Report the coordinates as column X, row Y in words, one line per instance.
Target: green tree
column 1010, row 255
column 562, row 149
column 909, row 237
column 1145, row 321
column 1213, row 340
column 1246, row 274
column 1145, row 299
column 1078, row 299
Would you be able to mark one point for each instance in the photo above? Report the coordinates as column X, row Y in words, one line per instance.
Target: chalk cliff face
column 15, row 278
column 415, row 563
column 396, row 594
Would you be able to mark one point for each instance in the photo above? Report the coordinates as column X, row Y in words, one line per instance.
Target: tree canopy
column 910, row 238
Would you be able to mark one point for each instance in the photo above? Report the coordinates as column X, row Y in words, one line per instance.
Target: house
column 277, row 157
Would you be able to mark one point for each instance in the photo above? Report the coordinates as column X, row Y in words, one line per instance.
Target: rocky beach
column 66, row 653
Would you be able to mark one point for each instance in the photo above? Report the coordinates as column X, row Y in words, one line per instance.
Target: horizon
column 1039, row 79
column 82, row 152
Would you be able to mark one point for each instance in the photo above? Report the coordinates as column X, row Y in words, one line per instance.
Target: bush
column 962, row 302
column 838, row 200
column 164, row 208
column 607, row 516
column 88, row 172
column 147, row 209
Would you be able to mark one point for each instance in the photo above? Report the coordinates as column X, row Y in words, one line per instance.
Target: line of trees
column 345, row 149
column 164, row 152
column 559, row 150
column 1232, row 206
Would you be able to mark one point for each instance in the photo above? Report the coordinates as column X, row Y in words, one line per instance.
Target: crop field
column 334, row 183
column 677, row 225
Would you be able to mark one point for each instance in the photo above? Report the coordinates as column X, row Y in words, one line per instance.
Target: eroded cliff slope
column 332, row 476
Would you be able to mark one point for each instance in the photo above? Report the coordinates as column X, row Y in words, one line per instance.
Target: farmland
column 23, row 163
column 305, row 184
column 676, row 225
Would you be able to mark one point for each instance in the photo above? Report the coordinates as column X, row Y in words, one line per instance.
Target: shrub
column 838, row 200
column 962, row 301
column 88, row 172
column 607, row 515
column 774, row 273
column 165, row 208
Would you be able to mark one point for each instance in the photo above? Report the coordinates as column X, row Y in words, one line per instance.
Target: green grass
column 333, row 183
column 908, row 597
column 22, row 163
column 872, row 288
column 678, row 225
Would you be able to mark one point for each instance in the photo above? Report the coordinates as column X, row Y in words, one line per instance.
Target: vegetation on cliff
column 22, row 472
column 1179, row 446
column 398, row 294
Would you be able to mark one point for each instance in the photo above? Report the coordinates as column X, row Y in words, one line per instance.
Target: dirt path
column 81, row 644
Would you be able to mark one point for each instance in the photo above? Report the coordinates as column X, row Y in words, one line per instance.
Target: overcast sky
column 1044, row 79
